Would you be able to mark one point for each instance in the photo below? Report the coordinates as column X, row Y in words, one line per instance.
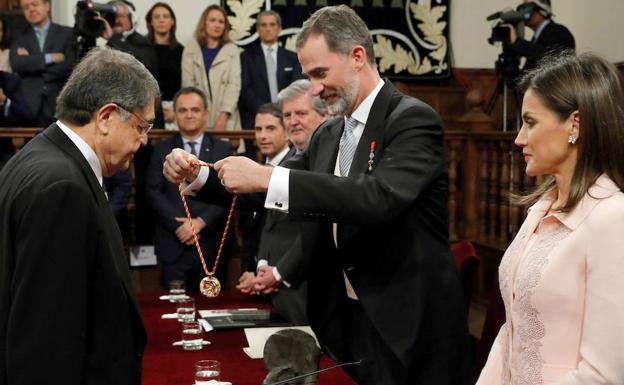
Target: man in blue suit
column 43, row 55
column 173, row 241
column 266, row 68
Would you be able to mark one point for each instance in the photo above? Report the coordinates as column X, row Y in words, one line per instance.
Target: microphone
column 301, row 376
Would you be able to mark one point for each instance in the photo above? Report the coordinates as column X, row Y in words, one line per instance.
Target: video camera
column 516, row 17
column 86, row 24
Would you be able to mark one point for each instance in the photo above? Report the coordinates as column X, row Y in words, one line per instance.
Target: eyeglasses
column 145, row 127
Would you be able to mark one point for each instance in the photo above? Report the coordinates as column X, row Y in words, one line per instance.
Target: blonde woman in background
column 211, row 62
column 562, row 277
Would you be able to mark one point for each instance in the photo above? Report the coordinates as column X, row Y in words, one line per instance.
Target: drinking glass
column 192, row 336
column 207, row 370
column 186, row 310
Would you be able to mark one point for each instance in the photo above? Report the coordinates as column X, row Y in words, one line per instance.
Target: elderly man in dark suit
column 382, row 285
column 173, row 239
column 43, row 54
column 61, row 253
column 266, row 68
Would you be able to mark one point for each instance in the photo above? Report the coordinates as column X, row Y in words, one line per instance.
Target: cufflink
column 278, row 204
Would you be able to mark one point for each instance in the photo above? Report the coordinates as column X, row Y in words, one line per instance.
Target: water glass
column 207, row 370
column 192, row 336
column 177, row 290
column 186, row 310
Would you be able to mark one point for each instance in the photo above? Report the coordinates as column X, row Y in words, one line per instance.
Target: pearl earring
column 572, row 139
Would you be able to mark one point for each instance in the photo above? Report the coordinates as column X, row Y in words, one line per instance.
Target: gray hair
column 342, row 29
column 105, row 76
column 298, row 88
column 269, row 12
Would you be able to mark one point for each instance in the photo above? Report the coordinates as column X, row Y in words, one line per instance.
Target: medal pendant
column 210, row 286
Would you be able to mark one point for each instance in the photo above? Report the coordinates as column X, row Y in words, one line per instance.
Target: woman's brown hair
column 592, row 86
column 200, row 30
column 173, row 42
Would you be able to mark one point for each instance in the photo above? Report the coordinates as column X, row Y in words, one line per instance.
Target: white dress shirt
column 85, row 150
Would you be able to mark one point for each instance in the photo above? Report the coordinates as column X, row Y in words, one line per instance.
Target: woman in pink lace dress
column 562, row 278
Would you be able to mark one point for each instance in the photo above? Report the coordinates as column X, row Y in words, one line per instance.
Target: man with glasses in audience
column 68, row 312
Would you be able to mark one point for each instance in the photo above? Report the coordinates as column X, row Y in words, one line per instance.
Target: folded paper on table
column 224, row 312
column 169, row 316
column 169, row 297
column 179, row 343
column 257, row 337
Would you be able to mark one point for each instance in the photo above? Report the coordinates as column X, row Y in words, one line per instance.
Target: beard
column 343, row 99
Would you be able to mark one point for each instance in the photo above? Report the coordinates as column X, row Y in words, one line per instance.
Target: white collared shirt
column 278, row 195
column 84, row 149
column 198, row 143
column 277, row 159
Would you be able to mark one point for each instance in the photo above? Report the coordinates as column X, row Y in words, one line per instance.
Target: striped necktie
column 347, row 146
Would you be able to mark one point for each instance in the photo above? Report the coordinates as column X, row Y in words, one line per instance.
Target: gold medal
column 210, row 286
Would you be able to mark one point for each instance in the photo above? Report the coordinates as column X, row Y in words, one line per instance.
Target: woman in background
column 562, row 277
column 211, row 63
column 161, row 27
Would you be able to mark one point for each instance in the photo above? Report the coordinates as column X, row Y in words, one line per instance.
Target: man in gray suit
column 43, row 54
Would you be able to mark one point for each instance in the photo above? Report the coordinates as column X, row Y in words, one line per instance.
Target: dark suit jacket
column 138, row 46
column 255, row 84
column 18, row 114
column 554, row 37
column 66, row 300
column 43, row 82
column 392, row 237
column 279, row 243
column 164, row 198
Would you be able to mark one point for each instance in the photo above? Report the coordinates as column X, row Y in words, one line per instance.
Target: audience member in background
column 14, row 111
column 122, row 36
column 561, row 277
column 5, row 65
column 118, row 188
column 283, row 260
column 211, row 63
column 548, row 36
column 303, row 112
column 43, row 54
column 61, row 253
column 273, row 146
column 173, row 241
column 161, row 26
column 266, row 68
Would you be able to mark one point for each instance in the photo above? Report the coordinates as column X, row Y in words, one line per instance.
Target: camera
column 86, row 24
column 516, row 17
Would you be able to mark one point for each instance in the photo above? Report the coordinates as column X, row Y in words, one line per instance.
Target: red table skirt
column 164, row 364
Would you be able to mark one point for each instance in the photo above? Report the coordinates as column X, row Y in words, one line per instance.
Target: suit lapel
column 49, row 38
column 262, row 69
column 205, row 151
column 373, row 131
column 327, row 145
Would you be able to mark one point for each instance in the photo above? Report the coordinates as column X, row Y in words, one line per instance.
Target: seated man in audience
column 43, row 54
column 173, row 241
